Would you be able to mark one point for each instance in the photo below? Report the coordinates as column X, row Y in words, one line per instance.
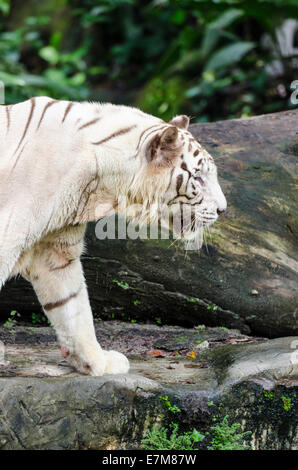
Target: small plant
column 121, row 284
column 268, row 395
column 286, row 403
column 201, row 327
column 226, row 437
column 11, row 321
column 38, row 318
column 180, row 338
column 158, row 320
column 172, row 408
column 136, row 302
column 223, row 328
column 157, row 439
column 212, row 307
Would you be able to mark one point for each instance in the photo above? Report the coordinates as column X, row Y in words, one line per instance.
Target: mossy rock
column 45, row 404
column 244, row 277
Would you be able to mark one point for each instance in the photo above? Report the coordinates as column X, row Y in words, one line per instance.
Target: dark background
column 209, row 59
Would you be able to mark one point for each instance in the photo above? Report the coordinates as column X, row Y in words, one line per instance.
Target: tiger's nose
column 220, row 202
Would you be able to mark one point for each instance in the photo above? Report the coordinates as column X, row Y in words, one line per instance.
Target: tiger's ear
column 164, row 147
column 180, row 121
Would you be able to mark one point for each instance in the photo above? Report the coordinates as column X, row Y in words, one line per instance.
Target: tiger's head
column 184, row 175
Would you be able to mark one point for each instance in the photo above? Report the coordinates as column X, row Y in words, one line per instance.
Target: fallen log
column 244, row 277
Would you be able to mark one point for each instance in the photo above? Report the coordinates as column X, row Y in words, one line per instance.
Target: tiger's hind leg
column 57, row 277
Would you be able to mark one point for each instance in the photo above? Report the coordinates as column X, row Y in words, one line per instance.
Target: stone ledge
column 45, row 404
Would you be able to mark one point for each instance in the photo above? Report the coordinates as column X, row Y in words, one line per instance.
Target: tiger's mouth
column 190, row 230
column 187, row 226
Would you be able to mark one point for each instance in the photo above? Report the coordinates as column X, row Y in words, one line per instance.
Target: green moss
column 11, row 321
column 287, row 403
column 268, row 395
column 160, row 439
column 38, row 318
column 121, row 284
column 226, row 437
column 172, row 408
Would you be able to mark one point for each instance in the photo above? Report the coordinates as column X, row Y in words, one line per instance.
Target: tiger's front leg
column 57, row 277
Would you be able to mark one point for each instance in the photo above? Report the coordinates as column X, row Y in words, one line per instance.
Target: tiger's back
column 63, row 164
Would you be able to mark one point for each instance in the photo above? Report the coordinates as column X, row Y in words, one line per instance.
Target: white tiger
column 63, row 164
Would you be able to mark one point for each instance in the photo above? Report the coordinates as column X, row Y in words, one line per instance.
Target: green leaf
column 78, row 79
column 226, row 18
column 196, row 436
column 229, row 55
column 178, row 17
column 11, row 80
column 213, row 30
column 4, row 6
column 50, row 54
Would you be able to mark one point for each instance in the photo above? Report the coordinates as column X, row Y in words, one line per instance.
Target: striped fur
column 63, row 164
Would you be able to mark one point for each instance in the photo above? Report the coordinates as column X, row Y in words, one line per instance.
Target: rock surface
column 206, row 372
column 244, row 277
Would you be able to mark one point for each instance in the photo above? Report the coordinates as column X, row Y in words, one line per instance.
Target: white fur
column 54, row 178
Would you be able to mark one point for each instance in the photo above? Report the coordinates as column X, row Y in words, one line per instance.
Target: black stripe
column 69, row 106
column 18, row 157
column 125, row 130
column 7, row 120
column 89, row 123
column 27, row 123
column 60, row 303
column 45, row 110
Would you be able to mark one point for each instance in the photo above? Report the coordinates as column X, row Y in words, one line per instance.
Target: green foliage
column 205, row 58
column 269, row 395
column 226, row 437
column 38, row 318
column 4, row 6
column 212, row 307
column 160, row 439
column 223, row 437
column 287, row 403
column 11, row 321
column 57, row 74
column 163, row 97
column 121, row 284
column 172, row 408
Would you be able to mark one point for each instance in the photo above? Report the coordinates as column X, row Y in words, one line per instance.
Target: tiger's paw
column 116, row 363
column 98, row 362
column 88, row 364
